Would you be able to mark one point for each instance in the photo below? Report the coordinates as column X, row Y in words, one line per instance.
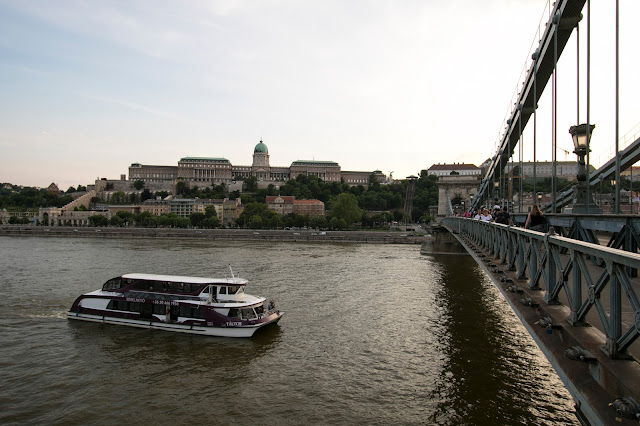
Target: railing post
column 576, row 293
column 550, row 275
column 615, row 312
column 533, row 265
column 522, row 266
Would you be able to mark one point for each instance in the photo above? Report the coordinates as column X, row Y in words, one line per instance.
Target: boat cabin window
column 166, row 286
column 248, row 313
column 112, row 284
column 145, row 308
column 230, row 290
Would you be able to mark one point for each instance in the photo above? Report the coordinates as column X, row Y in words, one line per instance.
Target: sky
column 89, row 87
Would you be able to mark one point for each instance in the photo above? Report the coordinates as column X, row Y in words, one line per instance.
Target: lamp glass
column 579, row 136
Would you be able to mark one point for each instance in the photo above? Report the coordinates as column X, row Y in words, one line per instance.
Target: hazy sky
column 89, row 87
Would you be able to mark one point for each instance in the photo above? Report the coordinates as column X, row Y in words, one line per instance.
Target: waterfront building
column 53, row 188
column 286, row 204
column 261, row 168
column 455, row 169
column 156, row 207
column 206, row 171
column 281, row 204
column 211, row 171
column 231, row 210
column 200, row 206
column 361, row 178
column 328, row 171
column 311, row 208
column 149, row 173
column 544, row 169
column 113, row 209
column 183, row 207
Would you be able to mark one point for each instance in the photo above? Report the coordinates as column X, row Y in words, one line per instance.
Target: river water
column 372, row 334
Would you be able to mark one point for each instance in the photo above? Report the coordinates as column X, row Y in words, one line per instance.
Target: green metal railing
column 558, row 264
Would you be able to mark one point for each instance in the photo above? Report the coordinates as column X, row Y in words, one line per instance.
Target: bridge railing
column 556, row 264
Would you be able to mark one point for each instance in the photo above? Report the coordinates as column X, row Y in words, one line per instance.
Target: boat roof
column 185, row 279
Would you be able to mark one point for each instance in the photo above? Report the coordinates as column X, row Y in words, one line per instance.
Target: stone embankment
column 373, row 237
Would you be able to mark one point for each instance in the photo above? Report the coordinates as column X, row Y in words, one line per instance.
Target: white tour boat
column 207, row 306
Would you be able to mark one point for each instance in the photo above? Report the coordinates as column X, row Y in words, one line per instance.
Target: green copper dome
column 261, row 147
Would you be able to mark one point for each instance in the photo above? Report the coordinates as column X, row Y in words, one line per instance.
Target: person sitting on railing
column 536, row 220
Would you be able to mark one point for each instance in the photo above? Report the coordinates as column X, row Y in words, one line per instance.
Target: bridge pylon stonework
column 456, row 192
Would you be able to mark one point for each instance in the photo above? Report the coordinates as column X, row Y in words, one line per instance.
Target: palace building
column 204, row 171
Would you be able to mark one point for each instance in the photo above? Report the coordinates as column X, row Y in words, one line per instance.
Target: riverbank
column 373, row 237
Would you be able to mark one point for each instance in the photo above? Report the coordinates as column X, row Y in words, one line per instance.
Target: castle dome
column 261, row 147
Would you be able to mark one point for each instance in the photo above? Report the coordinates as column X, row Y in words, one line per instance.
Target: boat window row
column 230, row 290
column 166, row 286
column 142, row 308
column 112, row 284
column 246, row 313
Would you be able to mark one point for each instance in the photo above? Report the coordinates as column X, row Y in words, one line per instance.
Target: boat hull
column 237, row 331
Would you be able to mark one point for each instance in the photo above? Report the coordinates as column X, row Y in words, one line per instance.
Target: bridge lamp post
column 496, row 192
column 581, row 135
column 613, row 194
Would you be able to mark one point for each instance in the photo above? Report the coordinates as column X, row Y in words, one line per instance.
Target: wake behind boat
column 207, row 306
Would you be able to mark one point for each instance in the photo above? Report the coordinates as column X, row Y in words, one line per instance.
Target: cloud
column 138, row 107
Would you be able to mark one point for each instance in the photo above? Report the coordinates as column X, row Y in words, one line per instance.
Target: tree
column 182, row 188
column 116, row 221
column 127, row 217
column 196, row 218
column 211, row 222
column 346, row 208
column 146, row 195
column 138, row 184
column 318, row 222
column 210, row 211
column 250, row 184
column 118, row 197
column 71, row 189
column 98, row 220
column 145, row 219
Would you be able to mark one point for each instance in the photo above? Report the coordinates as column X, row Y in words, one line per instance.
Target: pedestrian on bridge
column 536, row 220
column 486, row 216
column 503, row 216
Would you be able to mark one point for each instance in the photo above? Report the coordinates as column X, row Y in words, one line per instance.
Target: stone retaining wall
column 374, row 237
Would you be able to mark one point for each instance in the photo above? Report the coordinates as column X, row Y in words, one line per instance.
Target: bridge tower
column 462, row 187
column 411, row 191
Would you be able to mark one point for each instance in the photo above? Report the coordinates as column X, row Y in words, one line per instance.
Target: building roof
column 261, row 147
column 288, row 199
column 304, row 162
column 204, row 159
column 455, row 166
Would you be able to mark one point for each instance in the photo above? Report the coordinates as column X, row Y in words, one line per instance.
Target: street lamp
column 613, row 193
column 496, row 192
column 581, row 135
column 539, row 199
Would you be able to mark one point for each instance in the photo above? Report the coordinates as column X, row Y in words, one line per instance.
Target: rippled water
column 373, row 334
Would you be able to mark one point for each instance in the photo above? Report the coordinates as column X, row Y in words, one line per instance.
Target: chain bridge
column 575, row 288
